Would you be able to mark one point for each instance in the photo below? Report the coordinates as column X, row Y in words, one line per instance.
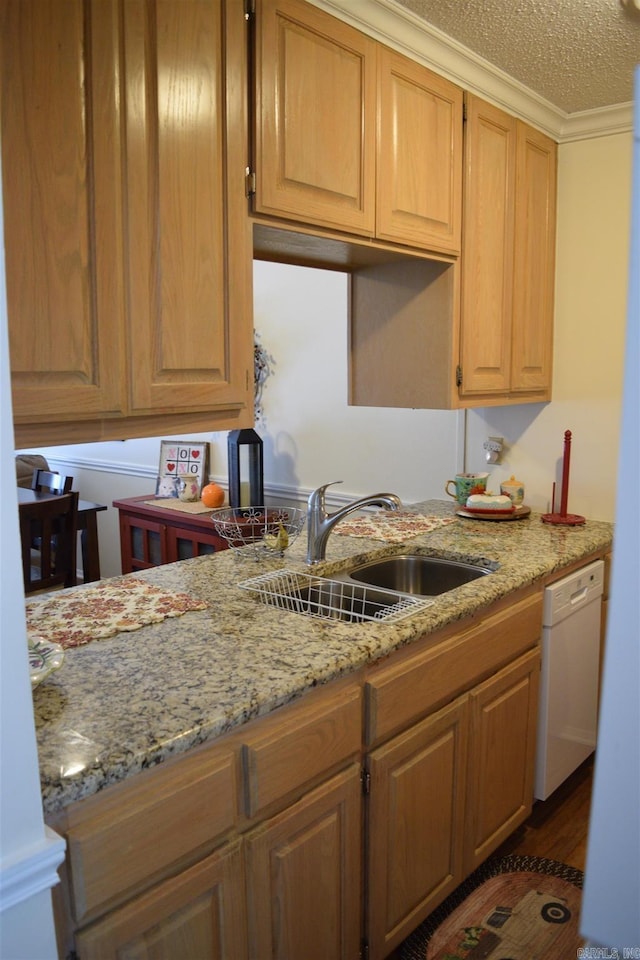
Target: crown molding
column 397, row 27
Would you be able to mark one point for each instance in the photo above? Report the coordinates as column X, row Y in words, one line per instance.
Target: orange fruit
column 212, row 495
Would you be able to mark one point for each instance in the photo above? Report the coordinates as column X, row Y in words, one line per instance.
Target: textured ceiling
column 577, row 54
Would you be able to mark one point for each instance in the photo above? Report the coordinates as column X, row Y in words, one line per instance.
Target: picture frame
column 181, row 460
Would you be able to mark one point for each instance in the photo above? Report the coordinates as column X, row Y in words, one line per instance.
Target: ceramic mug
column 188, row 490
column 465, row 484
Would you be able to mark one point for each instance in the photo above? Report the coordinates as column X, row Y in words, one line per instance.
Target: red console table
column 151, row 535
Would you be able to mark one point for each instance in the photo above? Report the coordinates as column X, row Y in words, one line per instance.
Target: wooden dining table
column 87, row 527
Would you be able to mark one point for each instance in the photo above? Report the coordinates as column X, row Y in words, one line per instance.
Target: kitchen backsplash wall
column 311, row 435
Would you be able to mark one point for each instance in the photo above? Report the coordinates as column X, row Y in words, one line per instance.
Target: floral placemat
column 392, row 527
column 113, row 606
column 184, row 506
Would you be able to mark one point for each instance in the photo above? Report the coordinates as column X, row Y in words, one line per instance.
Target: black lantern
column 245, row 469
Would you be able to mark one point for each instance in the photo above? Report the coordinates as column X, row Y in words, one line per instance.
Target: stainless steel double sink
column 415, row 574
column 383, row 590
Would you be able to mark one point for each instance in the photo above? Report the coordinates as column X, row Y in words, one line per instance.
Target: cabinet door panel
column 487, row 266
column 303, row 876
column 61, row 157
column 501, row 756
column 416, row 815
column 315, row 117
column 534, row 269
column 199, row 913
column 419, row 173
column 175, row 200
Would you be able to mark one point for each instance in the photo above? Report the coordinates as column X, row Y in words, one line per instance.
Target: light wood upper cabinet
column 534, row 262
column 419, row 168
column 487, row 262
column 61, row 154
column 315, row 117
column 352, row 136
column 508, row 259
column 128, row 245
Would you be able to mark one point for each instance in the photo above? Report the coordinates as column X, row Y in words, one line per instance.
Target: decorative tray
column 44, row 658
column 475, row 513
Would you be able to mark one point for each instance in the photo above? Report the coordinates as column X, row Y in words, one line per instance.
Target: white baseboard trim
column 24, row 875
column 107, row 466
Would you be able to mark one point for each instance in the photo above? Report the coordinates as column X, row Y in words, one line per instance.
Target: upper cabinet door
column 534, row 268
column 314, row 118
column 189, row 298
column 61, row 155
column 487, row 257
column 508, row 259
column 419, row 175
column 129, row 261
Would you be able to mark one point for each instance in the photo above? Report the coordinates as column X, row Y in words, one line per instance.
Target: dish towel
column 73, row 618
column 392, row 527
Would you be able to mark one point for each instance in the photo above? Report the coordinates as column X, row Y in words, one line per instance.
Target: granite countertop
column 120, row 705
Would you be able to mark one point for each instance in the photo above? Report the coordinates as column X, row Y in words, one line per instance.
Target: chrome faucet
column 320, row 523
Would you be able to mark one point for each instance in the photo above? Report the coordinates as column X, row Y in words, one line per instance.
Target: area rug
column 510, row 908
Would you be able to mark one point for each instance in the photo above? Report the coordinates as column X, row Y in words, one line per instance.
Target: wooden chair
column 47, row 481
column 53, row 524
column 26, row 463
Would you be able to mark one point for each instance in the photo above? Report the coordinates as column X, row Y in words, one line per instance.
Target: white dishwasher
column 568, row 710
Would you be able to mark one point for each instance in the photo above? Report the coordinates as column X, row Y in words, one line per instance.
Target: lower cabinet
column 416, row 809
column 331, row 827
column 503, row 719
column 199, row 913
column 444, row 795
column 304, row 876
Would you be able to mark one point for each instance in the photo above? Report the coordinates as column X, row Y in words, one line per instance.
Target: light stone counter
column 126, row 703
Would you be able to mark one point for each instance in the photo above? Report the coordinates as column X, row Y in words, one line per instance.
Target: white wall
column 28, row 855
column 611, row 900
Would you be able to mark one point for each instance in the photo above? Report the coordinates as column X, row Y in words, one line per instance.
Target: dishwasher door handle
column 579, row 596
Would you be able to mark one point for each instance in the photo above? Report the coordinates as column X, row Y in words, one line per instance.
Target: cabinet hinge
column 464, row 111
column 249, row 9
column 365, row 779
column 364, row 950
column 250, row 182
column 458, row 376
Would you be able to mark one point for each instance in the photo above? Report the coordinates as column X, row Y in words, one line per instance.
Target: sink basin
column 417, row 574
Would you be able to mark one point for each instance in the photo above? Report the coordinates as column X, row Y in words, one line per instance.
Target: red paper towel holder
column 569, row 519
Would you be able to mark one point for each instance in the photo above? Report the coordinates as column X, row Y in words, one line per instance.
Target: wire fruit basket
column 267, row 530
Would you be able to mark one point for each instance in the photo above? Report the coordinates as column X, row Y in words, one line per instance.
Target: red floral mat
column 73, row 618
column 517, row 907
column 391, row 527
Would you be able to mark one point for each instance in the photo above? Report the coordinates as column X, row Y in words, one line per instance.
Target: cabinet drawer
column 287, row 753
column 155, row 821
column 399, row 695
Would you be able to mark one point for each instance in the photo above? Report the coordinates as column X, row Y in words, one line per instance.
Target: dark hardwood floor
column 557, row 828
